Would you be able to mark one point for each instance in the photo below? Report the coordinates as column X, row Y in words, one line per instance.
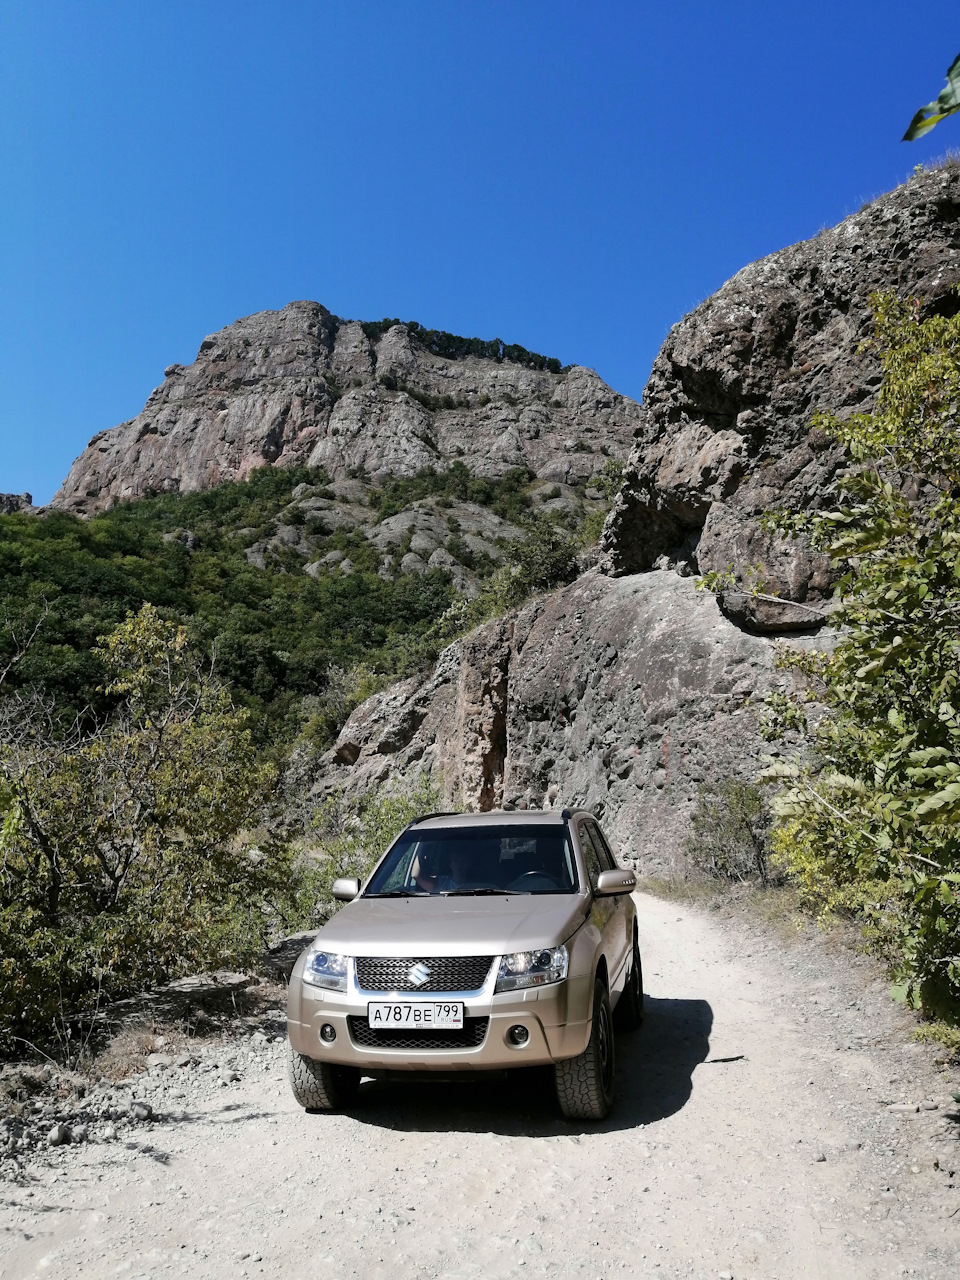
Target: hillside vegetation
column 869, row 818
column 277, row 631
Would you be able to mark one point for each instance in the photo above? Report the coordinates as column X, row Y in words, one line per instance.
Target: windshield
column 487, row 860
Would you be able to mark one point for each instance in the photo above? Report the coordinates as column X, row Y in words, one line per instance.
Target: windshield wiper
column 398, row 893
column 475, row 893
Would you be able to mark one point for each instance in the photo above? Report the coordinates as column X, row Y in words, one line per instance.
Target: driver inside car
column 444, row 868
column 463, row 870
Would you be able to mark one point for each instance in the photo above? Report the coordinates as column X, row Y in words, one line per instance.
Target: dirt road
column 752, row 1137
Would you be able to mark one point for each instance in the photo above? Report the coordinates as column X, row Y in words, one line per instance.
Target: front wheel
column 321, row 1086
column 585, row 1083
column 628, row 1014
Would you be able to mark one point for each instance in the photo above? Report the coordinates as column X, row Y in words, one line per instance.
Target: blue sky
column 571, row 176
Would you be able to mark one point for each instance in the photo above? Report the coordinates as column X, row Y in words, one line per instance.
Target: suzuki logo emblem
column 418, row 974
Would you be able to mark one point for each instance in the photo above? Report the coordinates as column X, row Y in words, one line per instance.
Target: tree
column 870, row 819
column 127, row 852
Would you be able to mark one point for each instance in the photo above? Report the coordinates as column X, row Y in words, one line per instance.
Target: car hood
column 434, row 926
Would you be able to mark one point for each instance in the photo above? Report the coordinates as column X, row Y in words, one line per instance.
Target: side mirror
column 610, row 883
column 346, row 888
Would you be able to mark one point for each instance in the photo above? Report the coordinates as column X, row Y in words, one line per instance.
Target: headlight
column 326, row 969
column 532, row 968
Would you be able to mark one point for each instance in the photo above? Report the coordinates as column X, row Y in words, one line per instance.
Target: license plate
column 416, row 1014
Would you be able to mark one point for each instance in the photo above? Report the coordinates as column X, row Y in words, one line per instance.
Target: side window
column 591, row 857
column 607, row 860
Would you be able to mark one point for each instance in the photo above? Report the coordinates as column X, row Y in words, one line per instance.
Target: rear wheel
column 585, row 1083
column 321, row 1086
column 628, row 1014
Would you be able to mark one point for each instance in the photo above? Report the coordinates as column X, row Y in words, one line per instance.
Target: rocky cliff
column 724, row 433
column 620, row 694
column 628, row 689
column 301, row 386
column 11, row 502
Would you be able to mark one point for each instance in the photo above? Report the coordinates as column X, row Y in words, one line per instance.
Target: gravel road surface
column 773, row 1121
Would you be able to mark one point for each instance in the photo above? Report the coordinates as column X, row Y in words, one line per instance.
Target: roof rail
column 441, row 813
column 565, row 814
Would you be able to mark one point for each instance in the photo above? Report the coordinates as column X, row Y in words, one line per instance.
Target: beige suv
column 480, row 941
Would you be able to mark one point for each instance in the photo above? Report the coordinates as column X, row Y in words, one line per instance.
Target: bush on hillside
column 869, row 816
column 730, row 832
column 132, row 850
column 349, row 834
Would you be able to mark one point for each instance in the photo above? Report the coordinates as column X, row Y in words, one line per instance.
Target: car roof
column 497, row 817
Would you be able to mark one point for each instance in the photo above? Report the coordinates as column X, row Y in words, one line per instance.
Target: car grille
column 470, row 1037
column 447, row 973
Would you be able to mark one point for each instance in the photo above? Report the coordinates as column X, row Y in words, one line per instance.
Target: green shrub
column 730, row 832
column 326, row 714
column 609, row 478
column 545, row 557
column 869, row 813
column 131, row 851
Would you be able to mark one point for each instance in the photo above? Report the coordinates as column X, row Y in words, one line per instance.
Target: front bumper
column 556, row 1017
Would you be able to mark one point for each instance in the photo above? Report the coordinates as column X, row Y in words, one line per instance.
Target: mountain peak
column 301, row 386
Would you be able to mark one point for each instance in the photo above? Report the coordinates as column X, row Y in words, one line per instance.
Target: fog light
column 327, row 1033
column 518, row 1035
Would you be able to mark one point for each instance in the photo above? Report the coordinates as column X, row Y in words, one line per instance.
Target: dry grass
column 942, row 1033
column 123, row 1050
column 949, row 160
column 125, row 1053
column 21, row 1085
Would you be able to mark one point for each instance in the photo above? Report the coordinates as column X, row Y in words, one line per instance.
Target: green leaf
column 945, row 104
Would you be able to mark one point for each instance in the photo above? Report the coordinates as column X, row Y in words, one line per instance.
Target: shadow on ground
column 654, row 1080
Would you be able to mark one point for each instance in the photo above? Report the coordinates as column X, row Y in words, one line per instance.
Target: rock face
column 619, row 694
column 725, row 428
column 300, row 386
column 11, row 502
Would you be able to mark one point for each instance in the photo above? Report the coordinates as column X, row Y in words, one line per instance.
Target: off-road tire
column 585, row 1083
column 628, row 1015
column 321, row 1086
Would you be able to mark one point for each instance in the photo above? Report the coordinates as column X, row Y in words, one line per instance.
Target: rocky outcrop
column 725, row 433
column 11, row 502
column 452, row 722
column 301, row 386
column 619, row 694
